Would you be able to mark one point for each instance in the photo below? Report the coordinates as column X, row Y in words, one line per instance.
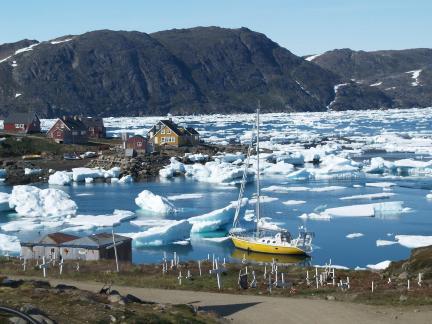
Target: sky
column 302, row 26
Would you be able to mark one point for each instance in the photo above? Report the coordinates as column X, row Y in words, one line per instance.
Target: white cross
column 199, row 267
column 77, row 267
column 44, row 266
column 61, row 266
column 217, row 272
column 419, row 282
column 180, row 278
column 24, row 264
column 188, row 276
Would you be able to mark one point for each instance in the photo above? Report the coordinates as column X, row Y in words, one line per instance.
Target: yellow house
column 168, row 133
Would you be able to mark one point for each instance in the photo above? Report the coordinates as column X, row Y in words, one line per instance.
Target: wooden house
column 23, row 123
column 69, row 130
column 70, row 247
column 137, row 143
column 95, row 127
column 168, row 133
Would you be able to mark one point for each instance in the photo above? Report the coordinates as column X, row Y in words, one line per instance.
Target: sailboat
column 266, row 237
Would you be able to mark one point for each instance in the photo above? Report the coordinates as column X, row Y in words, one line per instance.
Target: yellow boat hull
column 267, row 257
column 265, row 248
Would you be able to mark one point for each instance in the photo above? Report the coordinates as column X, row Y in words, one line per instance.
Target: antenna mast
column 258, row 207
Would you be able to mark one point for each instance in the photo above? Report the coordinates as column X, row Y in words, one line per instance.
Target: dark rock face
column 199, row 70
column 390, row 73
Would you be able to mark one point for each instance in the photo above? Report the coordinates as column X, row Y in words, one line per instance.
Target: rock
column 132, row 299
column 11, row 283
column 41, row 284
column 30, row 309
column 65, row 287
column 112, row 319
column 403, row 275
column 403, row 298
column 329, row 297
column 114, row 298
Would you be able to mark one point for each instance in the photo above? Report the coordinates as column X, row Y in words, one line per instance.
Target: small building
column 95, row 127
column 168, row 133
column 70, row 247
column 137, row 143
column 69, row 130
column 23, row 123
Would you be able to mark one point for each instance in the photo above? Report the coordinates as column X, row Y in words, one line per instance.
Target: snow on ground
column 379, row 266
column 415, row 75
column 354, row 235
column 151, row 202
column 414, row 241
column 312, row 57
column 167, row 233
column 35, row 202
column 9, row 243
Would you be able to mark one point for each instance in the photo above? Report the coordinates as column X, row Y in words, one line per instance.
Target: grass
column 151, row 276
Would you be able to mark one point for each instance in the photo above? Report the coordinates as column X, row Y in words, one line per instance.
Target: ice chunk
column 379, row 266
column 315, row 216
column 354, row 235
column 414, row 241
column 380, row 184
column 282, row 189
column 429, row 196
column 126, row 179
column 162, row 235
column 60, row 178
column 325, row 189
column 294, row 202
column 186, row 196
column 385, row 242
column 366, row 210
column 4, row 202
column 302, row 174
column 88, row 180
column 9, row 243
column 198, row 157
column 112, row 173
column 87, row 222
column 151, row 202
column 263, row 199
column 79, row 174
column 28, row 171
column 379, row 166
column 279, row 168
column 35, row 202
column 380, row 195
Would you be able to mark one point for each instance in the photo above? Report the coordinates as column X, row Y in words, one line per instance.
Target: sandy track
column 263, row 309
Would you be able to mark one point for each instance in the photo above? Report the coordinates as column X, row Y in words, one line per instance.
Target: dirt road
column 263, row 309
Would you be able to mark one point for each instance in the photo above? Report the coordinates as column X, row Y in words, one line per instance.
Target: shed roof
column 20, row 118
column 73, row 123
column 96, row 240
column 57, row 238
column 93, row 121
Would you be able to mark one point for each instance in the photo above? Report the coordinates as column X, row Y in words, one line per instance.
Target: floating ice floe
column 9, row 243
column 198, row 157
column 165, row 234
column 380, row 195
column 151, row 202
column 380, row 184
column 4, row 202
column 379, row 266
column 294, row 202
column 215, row 220
column 429, row 196
column 126, row 179
column 263, row 200
column 399, row 167
column 354, row 235
column 414, row 241
column 88, row 222
column 281, row 167
column 186, row 196
column 30, row 224
column 80, row 174
column 385, row 242
column 366, row 210
column 35, row 202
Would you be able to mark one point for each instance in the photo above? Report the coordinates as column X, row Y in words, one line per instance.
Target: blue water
column 330, row 241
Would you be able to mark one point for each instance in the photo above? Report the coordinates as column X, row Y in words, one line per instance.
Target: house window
column 168, row 131
column 163, row 131
column 19, row 125
column 139, row 144
column 74, row 133
column 83, row 132
column 163, row 139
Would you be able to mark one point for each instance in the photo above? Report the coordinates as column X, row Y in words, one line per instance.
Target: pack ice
column 165, row 234
column 151, row 202
column 9, row 243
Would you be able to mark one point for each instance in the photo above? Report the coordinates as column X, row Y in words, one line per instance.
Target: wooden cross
column 61, row 265
column 180, row 278
column 44, row 266
column 199, row 267
column 24, row 264
column 216, row 271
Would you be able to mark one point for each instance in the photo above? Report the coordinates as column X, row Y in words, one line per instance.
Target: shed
column 137, row 142
column 95, row 127
column 69, row 130
column 22, row 122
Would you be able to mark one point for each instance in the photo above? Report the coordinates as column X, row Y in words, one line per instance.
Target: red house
column 95, row 127
column 23, row 123
column 137, row 142
column 69, row 130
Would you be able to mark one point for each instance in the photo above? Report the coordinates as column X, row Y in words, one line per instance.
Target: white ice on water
column 89, row 222
column 379, row 266
column 186, row 196
column 354, row 235
column 165, row 234
column 9, row 243
column 4, row 201
column 414, row 241
column 151, row 202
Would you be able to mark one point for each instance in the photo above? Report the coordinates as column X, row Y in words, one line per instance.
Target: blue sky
column 302, row 26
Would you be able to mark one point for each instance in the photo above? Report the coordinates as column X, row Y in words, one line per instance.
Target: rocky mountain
column 192, row 71
column 398, row 78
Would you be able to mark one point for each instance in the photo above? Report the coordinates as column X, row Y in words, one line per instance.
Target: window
column 168, row 131
column 163, row 131
column 74, row 133
column 83, row 132
column 139, row 144
column 19, row 125
column 162, row 139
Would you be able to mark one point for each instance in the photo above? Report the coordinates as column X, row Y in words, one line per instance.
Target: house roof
column 92, row 121
column 171, row 125
column 96, row 240
column 58, row 238
column 20, row 118
column 73, row 123
column 192, row 131
column 135, row 137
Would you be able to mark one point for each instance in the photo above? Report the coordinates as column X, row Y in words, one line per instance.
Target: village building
column 71, row 247
column 168, row 133
column 95, row 127
column 137, row 143
column 23, row 123
column 69, row 130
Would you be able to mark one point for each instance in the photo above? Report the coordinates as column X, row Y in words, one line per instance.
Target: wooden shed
column 69, row 130
column 24, row 123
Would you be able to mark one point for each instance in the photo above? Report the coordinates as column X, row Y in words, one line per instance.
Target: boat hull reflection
column 256, row 257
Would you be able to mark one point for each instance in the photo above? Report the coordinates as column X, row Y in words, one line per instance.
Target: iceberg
column 186, row 196
column 9, row 243
column 165, row 234
column 60, row 178
column 28, row 171
column 293, row 202
column 151, row 202
column 414, row 241
column 385, row 242
column 88, row 222
column 79, row 174
column 279, row 168
column 35, row 202
column 354, row 235
column 379, row 266
column 126, row 179
column 112, row 173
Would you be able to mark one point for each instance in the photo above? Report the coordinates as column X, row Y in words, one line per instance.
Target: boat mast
column 258, row 209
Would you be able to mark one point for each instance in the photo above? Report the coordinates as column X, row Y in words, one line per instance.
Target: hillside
column 403, row 77
column 200, row 70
